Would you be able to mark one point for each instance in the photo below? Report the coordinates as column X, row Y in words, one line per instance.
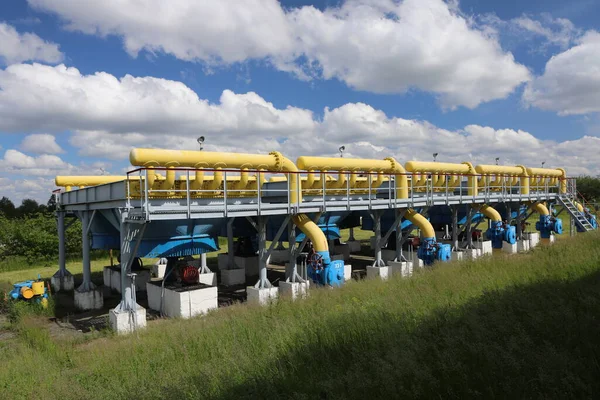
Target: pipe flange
column 278, row 160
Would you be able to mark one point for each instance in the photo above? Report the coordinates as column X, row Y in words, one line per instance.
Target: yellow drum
column 26, row 292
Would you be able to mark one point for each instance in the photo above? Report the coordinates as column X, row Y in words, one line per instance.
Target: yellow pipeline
column 421, row 222
column 579, row 206
column 388, row 165
column 273, row 162
column 541, row 209
column 554, row 176
column 82, row 181
column 491, row 213
column 312, row 231
column 498, row 170
column 424, row 168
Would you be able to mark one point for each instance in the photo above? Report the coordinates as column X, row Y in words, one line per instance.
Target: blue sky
column 472, row 80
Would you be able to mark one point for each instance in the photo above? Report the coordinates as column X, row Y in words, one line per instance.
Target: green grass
column 521, row 326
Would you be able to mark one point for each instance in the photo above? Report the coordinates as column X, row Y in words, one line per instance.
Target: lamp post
column 435, row 156
column 341, row 150
column 200, row 141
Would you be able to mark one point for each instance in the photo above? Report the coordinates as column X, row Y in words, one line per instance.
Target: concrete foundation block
column 294, row 289
column 400, row 268
column 523, row 245
column 141, row 278
column 347, row 272
column 353, row 246
column 209, row 278
column 471, row 254
column 510, row 248
column 458, row 255
column 485, row 246
column 64, row 283
column 280, row 256
column 343, row 250
column 124, row 322
column 182, row 302
column 261, row 297
column 158, row 271
column 416, row 261
column 534, row 238
column 231, row 277
column 89, row 300
column 382, row 273
column 552, row 239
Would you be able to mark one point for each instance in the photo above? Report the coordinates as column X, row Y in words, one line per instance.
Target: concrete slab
column 523, row 245
column 353, row 246
column 158, row 271
column 261, row 296
column 485, row 246
column 182, row 302
column 347, row 272
column 382, row 273
column 231, row 277
column 403, row 268
column 89, row 300
column 510, row 248
column 65, row 283
column 209, row 278
column 458, row 255
column 294, row 289
column 471, row 254
column 124, row 322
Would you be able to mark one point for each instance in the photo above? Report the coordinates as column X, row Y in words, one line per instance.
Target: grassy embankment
column 505, row 326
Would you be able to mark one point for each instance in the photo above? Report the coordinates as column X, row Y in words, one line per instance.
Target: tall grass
column 502, row 327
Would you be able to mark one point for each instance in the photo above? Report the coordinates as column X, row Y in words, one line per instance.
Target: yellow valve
column 26, row 292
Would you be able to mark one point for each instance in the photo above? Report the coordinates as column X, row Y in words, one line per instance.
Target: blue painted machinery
column 30, row 291
column 548, row 224
column 431, row 251
column 322, row 271
column 500, row 232
column 591, row 219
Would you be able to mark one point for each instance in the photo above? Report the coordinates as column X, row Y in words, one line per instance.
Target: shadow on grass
column 536, row 341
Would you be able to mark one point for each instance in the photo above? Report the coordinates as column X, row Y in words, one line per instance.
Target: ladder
column 579, row 217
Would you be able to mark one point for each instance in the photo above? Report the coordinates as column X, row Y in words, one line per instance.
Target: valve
column 431, row 251
column 500, row 232
column 322, row 271
column 547, row 225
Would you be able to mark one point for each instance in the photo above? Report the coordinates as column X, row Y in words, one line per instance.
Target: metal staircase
column 579, row 217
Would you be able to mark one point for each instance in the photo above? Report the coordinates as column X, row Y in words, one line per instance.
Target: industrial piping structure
column 140, row 209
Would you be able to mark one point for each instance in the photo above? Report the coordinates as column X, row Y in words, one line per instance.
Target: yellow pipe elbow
column 541, row 209
column 490, row 213
column 562, row 180
column 421, row 222
column 579, row 206
column 312, row 231
column 217, row 180
column 198, row 181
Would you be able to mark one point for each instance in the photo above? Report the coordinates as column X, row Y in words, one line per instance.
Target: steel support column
column 87, row 284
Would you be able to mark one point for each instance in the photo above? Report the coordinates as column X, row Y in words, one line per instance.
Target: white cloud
column 16, row 47
column 39, row 97
column 556, row 31
column 570, row 83
column 41, row 143
column 382, row 46
column 16, row 162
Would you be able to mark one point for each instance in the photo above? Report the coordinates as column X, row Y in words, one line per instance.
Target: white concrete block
column 89, row 300
column 280, row 256
column 249, row 264
column 523, row 245
column 141, row 278
column 158, row 270
column 510, row 248
column 534, row 238
column 353, row 246
column 294, row 289
column 552, row 239
column 471, row 254
column 382, row 273
column 209, row 278
column 416, row 261
column 106, row 276
column 231, row 277
column 124, row 322
column 347, row 272
column 261, row 296
column 64, row 283
column 400, row 268
column 458, row 255
column 342, row 249
column 485, row 246
column 182, row 302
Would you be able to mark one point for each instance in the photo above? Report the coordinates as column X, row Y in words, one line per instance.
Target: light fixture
column 200, row 141
column 497, row 160
column 435, row 157
column 341, row 150
column 543, row 163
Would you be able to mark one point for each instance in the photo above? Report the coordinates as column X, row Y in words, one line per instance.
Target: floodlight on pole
column 200, row 141
column 497, row 160
column 435, row 156
column 341, row 150
column 543, row 163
